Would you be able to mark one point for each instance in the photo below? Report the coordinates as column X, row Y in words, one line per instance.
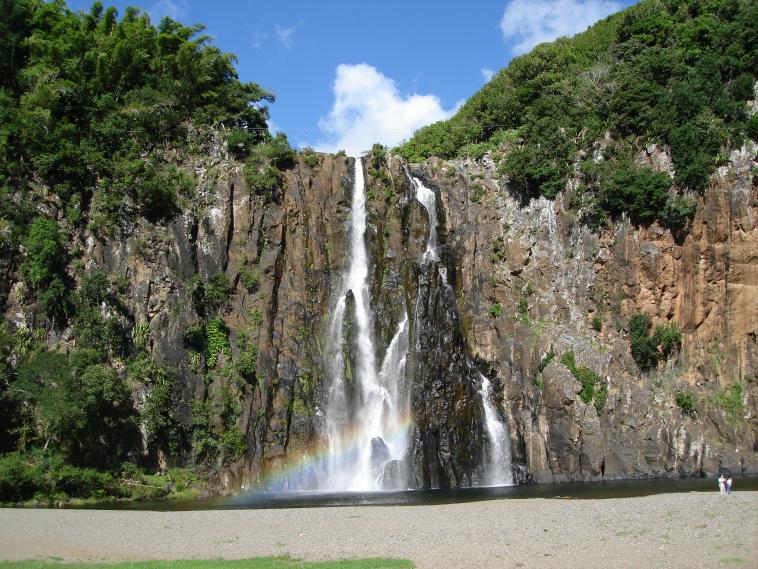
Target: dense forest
column 663, row 71
column 95, row 110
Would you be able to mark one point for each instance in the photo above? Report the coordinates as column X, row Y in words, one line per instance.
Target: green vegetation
column 40, row 479
column 644, row 350
column 673, row 72
column 590, row 381
column 498, row 250
column 311, row 159
column 380, row 175
column 92, row 105
column 249, row 277
column 731, row 401
column 217, row 340
column 99, row 118
column 240, row 142
column 264, row 165
column 163, row 431
column 477, row 192
column 215, row 434
column 496, row 310
column 211, row 295
column 686, row 400
column 255, row 563
column 640, row 192
column 549, row 357
column 523, row 310
column 648, row 349
column 74, row 406
column 43, row 268
column 597, row 324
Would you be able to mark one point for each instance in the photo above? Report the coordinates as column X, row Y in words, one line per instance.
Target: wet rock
column 395, row 476
column 380, row 454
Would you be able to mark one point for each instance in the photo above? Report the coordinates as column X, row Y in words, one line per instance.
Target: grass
column 255, row 563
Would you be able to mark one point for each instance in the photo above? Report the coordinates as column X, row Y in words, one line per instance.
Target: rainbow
column 307, row 461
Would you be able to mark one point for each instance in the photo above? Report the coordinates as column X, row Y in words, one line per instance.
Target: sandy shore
column 667, row 530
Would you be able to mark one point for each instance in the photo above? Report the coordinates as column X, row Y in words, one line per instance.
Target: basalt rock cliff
column 526, row 283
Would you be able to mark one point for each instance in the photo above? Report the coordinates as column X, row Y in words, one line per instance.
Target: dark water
column 576, row 490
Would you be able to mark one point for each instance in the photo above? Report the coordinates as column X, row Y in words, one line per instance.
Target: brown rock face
column 551, row 276
column 524, row 281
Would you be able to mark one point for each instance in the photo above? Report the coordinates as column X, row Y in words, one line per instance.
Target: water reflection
column 576, row 491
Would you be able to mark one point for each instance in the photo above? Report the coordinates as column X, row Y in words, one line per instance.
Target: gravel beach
column 666, row 530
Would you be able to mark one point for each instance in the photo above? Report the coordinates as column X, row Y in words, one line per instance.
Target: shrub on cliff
column 43, row 267
column 640, row 192
column 686, row 400
column 648, row 349
column 588, row 379
column 644, row 349
column 264, row 166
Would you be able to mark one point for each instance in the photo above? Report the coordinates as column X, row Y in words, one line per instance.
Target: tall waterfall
column 366, row 423
column 366, row 411
column 498, row 467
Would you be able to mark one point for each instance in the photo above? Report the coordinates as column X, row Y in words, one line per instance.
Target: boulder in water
column 395, row 475
column 379, row 454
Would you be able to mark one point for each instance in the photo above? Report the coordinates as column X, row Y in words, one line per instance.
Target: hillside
column 672, row 73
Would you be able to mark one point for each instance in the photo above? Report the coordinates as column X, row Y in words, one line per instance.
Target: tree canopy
column 86, row 99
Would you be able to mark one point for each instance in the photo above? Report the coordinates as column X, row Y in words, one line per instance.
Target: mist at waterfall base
column 364, row 439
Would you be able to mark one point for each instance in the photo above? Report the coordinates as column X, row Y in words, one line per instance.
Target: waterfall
column 366, row 432
column 498, row 468
column 366, row 423
column 429, row 201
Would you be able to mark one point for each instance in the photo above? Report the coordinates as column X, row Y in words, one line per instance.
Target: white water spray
column 362, row 442
column 429, row 201
column 498, row 468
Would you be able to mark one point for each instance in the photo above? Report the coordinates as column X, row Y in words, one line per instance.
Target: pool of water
column 567, row 491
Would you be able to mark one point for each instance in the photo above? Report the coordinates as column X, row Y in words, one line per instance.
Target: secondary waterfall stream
column 498, row 466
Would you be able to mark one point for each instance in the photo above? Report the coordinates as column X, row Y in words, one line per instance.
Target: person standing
column 722, row 485
column 729, row 484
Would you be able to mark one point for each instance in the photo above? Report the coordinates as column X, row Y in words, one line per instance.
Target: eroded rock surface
column 517, row 279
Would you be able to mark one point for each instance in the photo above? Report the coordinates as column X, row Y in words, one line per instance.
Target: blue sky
column 346, row 74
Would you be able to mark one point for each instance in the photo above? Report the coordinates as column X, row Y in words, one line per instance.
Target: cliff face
column 519, row 279
column 551, row 276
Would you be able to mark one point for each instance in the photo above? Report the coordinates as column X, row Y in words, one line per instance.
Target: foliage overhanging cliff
column 671, row 72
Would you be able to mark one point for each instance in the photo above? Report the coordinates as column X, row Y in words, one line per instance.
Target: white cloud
column 528, row 23
column 176, row 10
column 368, row 108
column 285, row 35
column 487, row 73
column 258, row 38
